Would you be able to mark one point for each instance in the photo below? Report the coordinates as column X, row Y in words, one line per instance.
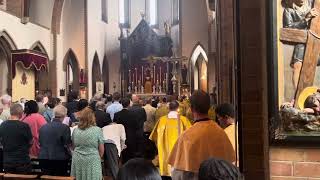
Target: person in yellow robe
column 204, row 140
column 166, row 133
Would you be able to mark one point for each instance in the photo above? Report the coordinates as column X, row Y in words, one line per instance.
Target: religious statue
column 83, row 78
column 142, row 89
column 148, row 83
column 184, row 73
column 129, row 89
column 160, row 89
column 297, row 15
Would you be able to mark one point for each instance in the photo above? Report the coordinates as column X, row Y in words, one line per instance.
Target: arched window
column 152, row 13
column 175, row 12
column 104, row 10
column 124, row 13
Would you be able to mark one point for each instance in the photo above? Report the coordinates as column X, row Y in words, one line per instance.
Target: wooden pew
column 19, row 177
column 1, row 176
column 45, row 177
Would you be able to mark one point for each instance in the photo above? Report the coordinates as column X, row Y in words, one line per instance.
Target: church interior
column 236, row 50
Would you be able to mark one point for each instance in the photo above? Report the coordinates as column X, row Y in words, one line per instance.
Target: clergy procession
column 120, row 138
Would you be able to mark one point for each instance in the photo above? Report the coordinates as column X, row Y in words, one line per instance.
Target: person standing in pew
column 88, row 143
column 55, row 141
column 16, row 139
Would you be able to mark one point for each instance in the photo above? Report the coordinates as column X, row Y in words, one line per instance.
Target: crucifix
column 311, row 39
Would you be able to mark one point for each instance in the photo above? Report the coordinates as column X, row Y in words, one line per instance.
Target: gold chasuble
column 204, row 140
column 165, row 135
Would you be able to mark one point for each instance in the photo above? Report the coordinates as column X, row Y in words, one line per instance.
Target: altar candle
column 136, row 75
column 129, row 75
column 160, row 77
column 154, row 74
column 142, row 79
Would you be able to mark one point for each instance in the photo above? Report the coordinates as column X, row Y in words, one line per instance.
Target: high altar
column 148, row 64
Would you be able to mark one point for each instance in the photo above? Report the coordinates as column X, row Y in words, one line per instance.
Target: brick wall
column 294, row 164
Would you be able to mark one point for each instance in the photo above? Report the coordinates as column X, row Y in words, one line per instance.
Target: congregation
column 122, row 138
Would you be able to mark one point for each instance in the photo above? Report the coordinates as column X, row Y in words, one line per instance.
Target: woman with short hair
column 88, row 148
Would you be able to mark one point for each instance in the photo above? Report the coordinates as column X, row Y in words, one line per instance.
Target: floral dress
column 86, row 162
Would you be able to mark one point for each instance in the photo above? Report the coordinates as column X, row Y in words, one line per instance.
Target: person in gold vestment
column 166, row 133
column 204, row 140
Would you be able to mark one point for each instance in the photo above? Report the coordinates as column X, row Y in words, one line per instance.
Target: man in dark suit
column 140, row 116
column 134, row 131
column 72, row 105
column 102, row 118
column 55, row 140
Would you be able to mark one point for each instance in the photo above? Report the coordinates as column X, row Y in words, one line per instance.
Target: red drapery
column 28, row 59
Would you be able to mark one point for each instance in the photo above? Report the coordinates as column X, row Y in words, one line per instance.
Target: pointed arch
column 199, row 68
column 37, row 46
column 96, row 72
column 105, row 74
column 6, row 46
column 6, row 37
column 197, row 50
column 71, row 67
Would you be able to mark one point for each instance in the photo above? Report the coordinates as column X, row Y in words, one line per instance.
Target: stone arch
column 96, row 72
column 105, row 74
column 37, row 46
column 199, row 68
column 71, row 67
column 6, row 46
column 11, row 44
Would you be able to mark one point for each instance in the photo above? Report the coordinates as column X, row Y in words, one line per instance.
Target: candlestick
column 142, row 73
column 129, row 75
column 136, row 75
column 154, row 74
column 160, row 77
